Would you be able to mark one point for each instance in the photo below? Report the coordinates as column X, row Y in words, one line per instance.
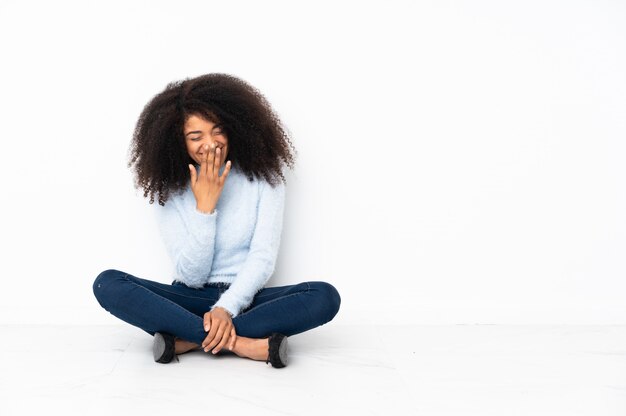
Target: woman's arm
column 261, row 260
column 190, row 243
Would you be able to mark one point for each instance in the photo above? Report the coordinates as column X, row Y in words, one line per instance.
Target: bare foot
column 183, row 346
column 254, row 348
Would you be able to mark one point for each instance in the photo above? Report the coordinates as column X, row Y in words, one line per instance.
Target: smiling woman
column 160, row 151
column 213, row 151
column 200, row 133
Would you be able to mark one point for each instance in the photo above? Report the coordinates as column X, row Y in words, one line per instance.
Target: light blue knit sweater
column 238, row 243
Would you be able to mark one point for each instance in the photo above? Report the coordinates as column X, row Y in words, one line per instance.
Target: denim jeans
column 179, row 309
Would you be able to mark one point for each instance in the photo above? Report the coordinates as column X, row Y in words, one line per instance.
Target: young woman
column 212, row 150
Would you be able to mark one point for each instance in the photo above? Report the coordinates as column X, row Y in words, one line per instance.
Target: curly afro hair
column 258, row 142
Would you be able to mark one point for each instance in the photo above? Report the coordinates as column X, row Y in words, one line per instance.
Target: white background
column 458, row 162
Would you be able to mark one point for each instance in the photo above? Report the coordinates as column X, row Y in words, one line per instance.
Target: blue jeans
column 179, row 309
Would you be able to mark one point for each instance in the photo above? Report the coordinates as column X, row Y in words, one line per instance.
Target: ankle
column 181, row 346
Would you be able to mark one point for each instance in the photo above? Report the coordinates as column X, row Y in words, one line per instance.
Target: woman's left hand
column 221, row 331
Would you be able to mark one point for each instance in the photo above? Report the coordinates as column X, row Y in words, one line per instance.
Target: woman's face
column 199, row 132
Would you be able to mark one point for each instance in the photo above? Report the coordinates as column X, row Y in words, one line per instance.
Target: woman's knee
column 330, row 298
column 103, row 284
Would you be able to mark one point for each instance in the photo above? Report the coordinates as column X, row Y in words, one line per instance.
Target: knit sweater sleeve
column 189, row 239
column 261, row 258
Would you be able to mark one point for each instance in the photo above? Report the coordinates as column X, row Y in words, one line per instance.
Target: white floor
column 334, row 370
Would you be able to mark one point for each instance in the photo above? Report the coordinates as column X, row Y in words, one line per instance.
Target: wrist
column 225, row 310
column 205, row 208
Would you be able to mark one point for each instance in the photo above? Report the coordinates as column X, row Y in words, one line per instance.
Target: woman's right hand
column 207, row 185
column 218, row 324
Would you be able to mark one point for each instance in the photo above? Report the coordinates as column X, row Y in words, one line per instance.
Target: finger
column 210, row 160
column 233, row 337
column 222, row 156
column 226, row 170
column 213, row 160
column 207, row 322
column 205, row 159
column 212, row 337
column 192, row 172
column 206, row 342
column 223, row 342
column 217, row 338
column 205, row 156
column 218, row 161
